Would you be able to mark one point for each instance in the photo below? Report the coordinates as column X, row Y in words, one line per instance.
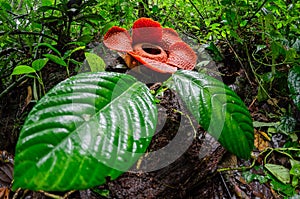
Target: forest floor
column 194, row 174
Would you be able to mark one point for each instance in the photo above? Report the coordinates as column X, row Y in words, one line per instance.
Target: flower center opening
column 151, row 49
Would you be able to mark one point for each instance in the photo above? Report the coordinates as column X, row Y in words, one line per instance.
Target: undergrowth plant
column 35, row 30
column 96, row 125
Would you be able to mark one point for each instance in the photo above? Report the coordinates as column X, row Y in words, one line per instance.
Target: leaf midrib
column 81, row 125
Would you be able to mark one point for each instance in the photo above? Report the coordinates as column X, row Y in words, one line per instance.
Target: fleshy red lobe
column 182, row 56
column 169, row 37
column 118, row 39
column 145, row 30
column 157, row 39
column 154, row 65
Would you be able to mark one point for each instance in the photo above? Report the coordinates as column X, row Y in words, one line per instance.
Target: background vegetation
column 43, row 42
column 262, row 37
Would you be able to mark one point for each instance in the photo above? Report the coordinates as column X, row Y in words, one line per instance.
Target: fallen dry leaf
column 28, row 98
column 6, row 169
column 261, row 140
column 4, row 192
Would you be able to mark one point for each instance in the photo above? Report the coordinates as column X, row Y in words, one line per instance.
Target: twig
column 258, row 9
column 239, row 60
column 9, row 50
column 16, row 193
column 51, row 195
column 18, row 32
column 190, row 120
column 259, row 82
column 239, row 168
column 226, row 187
column 14, row 84
column 57, row 196
column 271, row 150
column 196, row 9
column 271, row 65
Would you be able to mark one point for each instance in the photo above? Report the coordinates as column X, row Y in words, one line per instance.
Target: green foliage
column 294, row 85
column 96, row 125
column 217, row 109
column 286, row 126
column 279, row 171
column 263, row 36
column 282, row 179
column 23, row 69
column 87, row 128
column 36, row 66
column 31, row 29
column 295, row 172
column 95, row 62
column 250, row 176
column 285, row 189
column 39, row 64
column 56, row 59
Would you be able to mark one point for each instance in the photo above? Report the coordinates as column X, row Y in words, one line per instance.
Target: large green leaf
column 87, row 128
column 294, row 85
column 217, row 109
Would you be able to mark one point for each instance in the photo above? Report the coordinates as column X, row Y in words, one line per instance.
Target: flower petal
column 169, row 37
column 182, row 56
column 154, row 65
column 118, row 39
column 146, row 30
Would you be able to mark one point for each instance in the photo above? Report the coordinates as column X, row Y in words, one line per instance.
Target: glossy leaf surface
column 88, row 127
column 294, row 85
column 217, row 109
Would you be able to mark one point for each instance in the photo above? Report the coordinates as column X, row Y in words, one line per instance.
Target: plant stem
column 254, row 73
column 12, row 86
column 196, row 9
column 190, row 120
column 239, row 60
column 238, row 168
column 257, row 10
column 17, row 32
column 57, row 196
column 257, row 80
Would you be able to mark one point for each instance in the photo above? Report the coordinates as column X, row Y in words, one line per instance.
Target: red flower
column 158, row 48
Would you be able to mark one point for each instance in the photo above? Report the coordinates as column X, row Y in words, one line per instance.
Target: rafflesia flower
column 159, row 49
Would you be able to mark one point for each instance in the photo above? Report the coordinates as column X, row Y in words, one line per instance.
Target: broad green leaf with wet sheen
column 294, row 85
column 217, row 109
column 87, row 128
